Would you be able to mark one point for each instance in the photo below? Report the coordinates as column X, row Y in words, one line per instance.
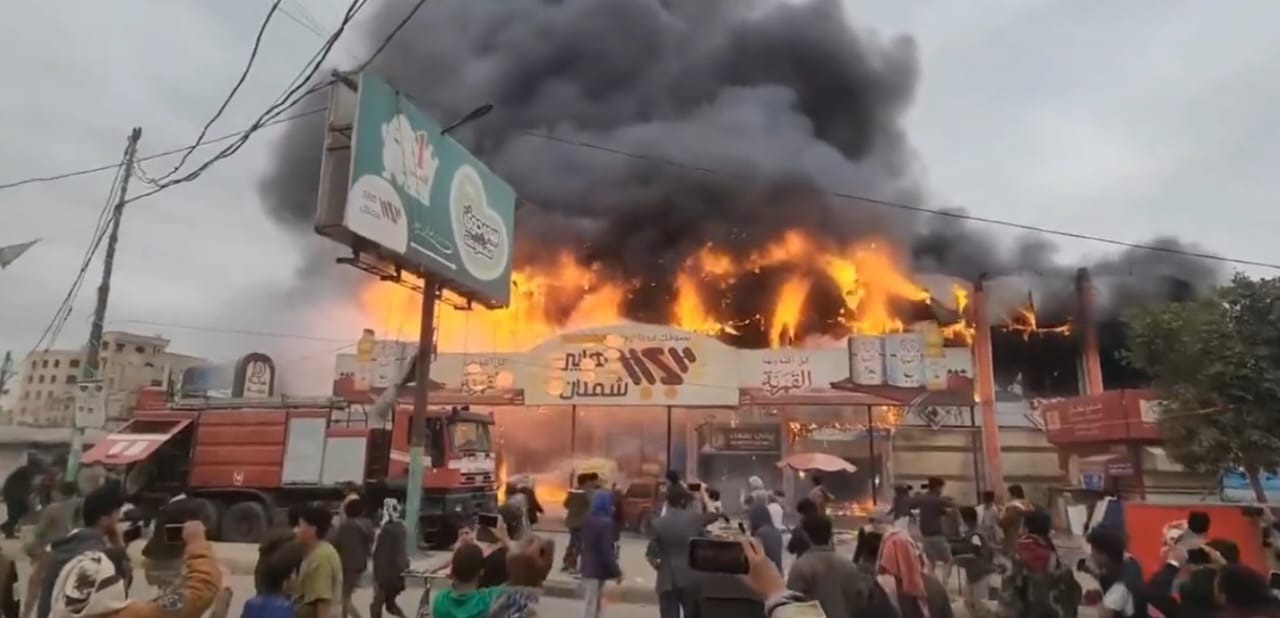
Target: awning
column 126, row 447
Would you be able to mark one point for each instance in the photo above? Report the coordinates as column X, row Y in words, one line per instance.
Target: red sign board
column 1106, row 417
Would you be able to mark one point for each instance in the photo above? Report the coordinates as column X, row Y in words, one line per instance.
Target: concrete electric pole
column 89, row 369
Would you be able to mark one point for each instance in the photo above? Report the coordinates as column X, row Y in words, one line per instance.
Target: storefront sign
column 632, row 365
column 1108, row 416
column 1119, row 466
column 745, row 439
column 778, row 373
column 476, row 375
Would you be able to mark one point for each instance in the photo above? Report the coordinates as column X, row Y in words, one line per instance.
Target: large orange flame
column 564, row 294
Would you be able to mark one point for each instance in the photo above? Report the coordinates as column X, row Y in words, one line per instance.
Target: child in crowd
column 465, row 599
column 271, row 600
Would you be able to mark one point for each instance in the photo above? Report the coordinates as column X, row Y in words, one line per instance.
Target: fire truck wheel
column 209, row 512
column 245, row 522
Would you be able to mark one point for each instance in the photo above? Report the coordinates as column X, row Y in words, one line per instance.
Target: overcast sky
column 1117, row 119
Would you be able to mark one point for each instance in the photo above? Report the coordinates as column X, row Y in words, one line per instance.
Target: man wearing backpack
column 1039, row 584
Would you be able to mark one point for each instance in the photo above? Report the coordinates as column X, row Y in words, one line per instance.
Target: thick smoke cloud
column 786, row 102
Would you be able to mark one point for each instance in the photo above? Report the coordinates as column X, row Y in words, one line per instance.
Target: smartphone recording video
column 717, row 556
column 487, row 520
column 695, row 487
column 173, row 533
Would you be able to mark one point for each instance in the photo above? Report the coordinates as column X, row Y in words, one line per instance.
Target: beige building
column 44, row 390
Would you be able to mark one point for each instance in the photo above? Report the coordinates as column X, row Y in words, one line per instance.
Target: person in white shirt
column 776, row 510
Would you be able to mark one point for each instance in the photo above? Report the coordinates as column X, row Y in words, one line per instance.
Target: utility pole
column 89, row 369
column 418, row 425
column 426, row 348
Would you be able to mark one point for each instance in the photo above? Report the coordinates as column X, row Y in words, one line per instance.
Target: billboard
column 394, row 186
column 252, row 376
column 632, row 365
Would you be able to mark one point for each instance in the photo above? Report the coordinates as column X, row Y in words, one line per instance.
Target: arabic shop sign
column 779, row 373
column 744, row 438
column 632, row 364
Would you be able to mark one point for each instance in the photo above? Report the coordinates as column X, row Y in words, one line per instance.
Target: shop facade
column 1111, row 442
column 648, row 398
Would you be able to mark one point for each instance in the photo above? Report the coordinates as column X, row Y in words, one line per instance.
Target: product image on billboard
column 413, row 195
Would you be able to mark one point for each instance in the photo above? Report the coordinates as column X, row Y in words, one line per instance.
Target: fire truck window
column 470, row 436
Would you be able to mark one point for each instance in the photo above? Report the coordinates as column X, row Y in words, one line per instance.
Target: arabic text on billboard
column 633, row 364
column 420, row 195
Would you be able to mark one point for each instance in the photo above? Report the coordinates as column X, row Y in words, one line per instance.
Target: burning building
column 723, row 170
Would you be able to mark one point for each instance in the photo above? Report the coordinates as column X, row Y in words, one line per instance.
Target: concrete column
column 985, row 387
column 1090, row 361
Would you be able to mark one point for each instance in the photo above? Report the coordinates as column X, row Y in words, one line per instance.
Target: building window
column 119, row 347
column 38, row 393
column 40, row 379
column 44, row 364
column 74, row 364
column 25, row 395
column 30, row 379
column 56, row 363
column 71, row 378
column 104, row 345
column 33, row 366
column 139, row 349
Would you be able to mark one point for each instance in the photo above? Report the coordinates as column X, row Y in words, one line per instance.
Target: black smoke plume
column 770, row 107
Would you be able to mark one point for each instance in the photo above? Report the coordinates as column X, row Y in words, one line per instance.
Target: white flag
column 12, row 252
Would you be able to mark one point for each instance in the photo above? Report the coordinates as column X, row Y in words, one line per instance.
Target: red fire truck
column 249, row 460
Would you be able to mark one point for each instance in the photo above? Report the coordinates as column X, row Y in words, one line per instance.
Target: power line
column 233, row 331
column 158, row 155
column 64, row 309
column 951, row 214
column 270, row 117
column 394, row 31
column 292, row 96
column 226, row 101
column 309, row 24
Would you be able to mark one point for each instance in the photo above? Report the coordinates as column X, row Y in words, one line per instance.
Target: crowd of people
column 80, row 567
column 901, row 564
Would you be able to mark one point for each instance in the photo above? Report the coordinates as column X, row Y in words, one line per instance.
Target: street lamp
column 475, row 114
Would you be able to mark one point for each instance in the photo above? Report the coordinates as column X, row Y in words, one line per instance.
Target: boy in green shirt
column 465, row 599
column 320, row 576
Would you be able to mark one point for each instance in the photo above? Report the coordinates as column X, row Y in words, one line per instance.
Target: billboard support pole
column 667, row 464
column 418, row 427
column 89, row 370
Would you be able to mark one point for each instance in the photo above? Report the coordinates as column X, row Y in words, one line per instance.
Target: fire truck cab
column 249, row 460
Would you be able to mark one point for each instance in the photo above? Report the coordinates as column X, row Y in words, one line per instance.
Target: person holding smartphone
column 91, row 584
